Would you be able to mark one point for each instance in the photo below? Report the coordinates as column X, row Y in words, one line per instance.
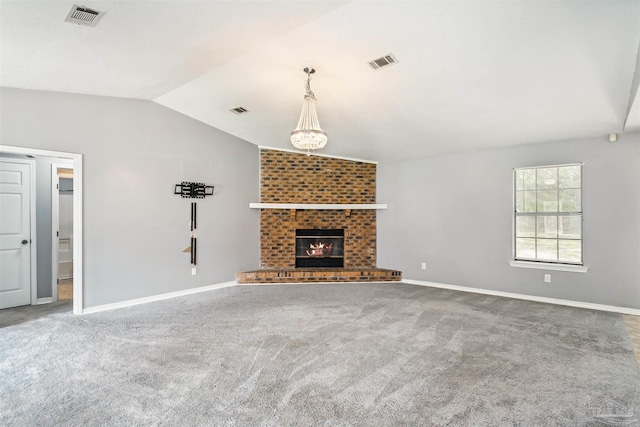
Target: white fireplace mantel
column 314, row 206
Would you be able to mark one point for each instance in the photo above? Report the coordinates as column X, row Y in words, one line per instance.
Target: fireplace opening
column 319, row 248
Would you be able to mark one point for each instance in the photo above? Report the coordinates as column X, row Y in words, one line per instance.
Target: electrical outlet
column 424, row 266
column 547, row 278
column 193, row 271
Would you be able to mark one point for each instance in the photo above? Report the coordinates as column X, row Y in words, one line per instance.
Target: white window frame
column 546, row 264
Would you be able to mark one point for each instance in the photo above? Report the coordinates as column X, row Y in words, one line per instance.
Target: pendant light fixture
column 308, row 135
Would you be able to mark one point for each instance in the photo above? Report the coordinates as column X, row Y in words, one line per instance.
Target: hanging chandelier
column 308, row 135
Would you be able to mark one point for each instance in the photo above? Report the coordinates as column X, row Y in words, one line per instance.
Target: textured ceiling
column 470, row 74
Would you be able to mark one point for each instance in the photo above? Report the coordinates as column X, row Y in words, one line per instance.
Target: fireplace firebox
column 319, row 248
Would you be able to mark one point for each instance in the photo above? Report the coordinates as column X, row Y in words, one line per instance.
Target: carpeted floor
column 310, row 355
column 633, row 328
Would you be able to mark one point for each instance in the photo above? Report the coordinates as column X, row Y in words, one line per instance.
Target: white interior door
column 15, row 234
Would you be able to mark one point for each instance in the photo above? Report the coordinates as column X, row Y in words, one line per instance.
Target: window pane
column 570, row 250
column 529, row 201
column 529, row 176
column 547, row 250
column 570, row 201
column 547, row 201
column 519, row 180
column 525, row 226
column 519, row 201
column 526, row 248
column 570, row 227
column 547, row 226
column 569, row 176
column 548, row 218
column 547, row 178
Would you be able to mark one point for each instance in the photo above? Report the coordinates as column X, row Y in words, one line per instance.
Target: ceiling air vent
column 382, row 62
column 239, row 110
column 83, row 16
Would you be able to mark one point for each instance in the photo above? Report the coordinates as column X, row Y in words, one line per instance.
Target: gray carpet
column 309, row 355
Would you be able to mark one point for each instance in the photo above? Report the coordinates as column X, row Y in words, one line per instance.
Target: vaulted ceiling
column 470, row 74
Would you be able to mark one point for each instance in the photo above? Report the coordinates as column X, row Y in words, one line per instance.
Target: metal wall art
column 193, row 233
column 193, row 190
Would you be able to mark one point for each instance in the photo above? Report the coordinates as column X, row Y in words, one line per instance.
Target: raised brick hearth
column 294, row 178
column 314, row 275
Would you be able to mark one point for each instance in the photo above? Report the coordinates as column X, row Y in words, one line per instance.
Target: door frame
column 55, row 225
column 78, row 282
column 33, row 273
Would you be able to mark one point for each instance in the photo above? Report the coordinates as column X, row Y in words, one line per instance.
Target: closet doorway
column 62, row 231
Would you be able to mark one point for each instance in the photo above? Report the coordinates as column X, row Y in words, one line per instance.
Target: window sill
column 549, row 266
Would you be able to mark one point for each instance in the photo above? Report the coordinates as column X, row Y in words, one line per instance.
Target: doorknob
column 24, row 242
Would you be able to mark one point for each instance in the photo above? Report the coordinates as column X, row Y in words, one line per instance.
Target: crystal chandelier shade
column 308, row 134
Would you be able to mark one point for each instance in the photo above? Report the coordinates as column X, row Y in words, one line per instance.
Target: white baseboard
column 569, row 303
column 153, row 298
column 47, row 300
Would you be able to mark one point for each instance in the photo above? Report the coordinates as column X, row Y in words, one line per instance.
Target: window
column 548, row 214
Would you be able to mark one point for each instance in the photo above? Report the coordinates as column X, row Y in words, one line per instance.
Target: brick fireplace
column 292, row 178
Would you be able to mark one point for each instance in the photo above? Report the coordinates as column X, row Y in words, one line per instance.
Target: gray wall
column 66, row 184
column 43, row 225
column 65, row 208
column 454, row 212
column 134, row 227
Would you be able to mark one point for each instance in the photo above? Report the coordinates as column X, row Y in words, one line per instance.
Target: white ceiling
column 471, row 74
